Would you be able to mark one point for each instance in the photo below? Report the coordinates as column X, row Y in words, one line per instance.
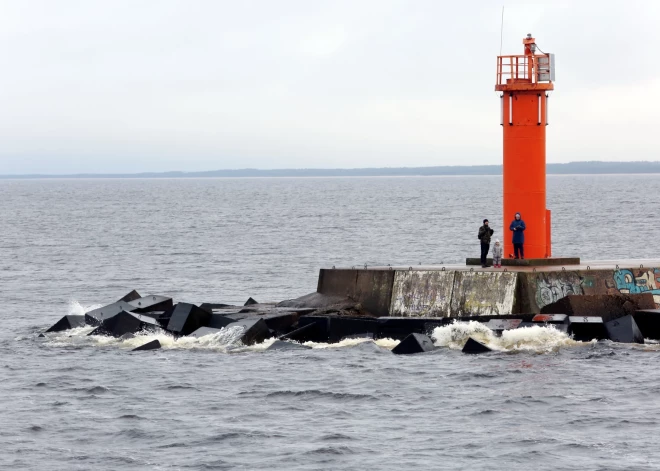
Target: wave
column 541, row 339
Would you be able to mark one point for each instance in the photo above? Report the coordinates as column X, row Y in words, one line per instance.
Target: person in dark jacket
column 485, row 232
column 518, row 228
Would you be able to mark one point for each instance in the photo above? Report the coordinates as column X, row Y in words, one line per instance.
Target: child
column 497, row 254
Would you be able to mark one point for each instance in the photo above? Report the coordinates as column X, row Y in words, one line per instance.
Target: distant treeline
column 585, row 168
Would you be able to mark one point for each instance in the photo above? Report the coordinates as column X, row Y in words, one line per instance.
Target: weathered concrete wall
column 542, row 288
column 371, row 288
column 457, row 293
column 422, row 293
column 484, row 293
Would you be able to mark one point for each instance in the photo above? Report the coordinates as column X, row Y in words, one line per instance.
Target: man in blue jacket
column 518, row 228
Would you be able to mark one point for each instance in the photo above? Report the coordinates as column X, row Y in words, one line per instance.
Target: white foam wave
column 352, row 342
column 535, row 338
column 77, row 309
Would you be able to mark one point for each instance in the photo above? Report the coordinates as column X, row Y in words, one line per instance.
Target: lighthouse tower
column 525, row 81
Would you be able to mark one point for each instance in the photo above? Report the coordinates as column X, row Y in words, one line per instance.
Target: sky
column 122, row 86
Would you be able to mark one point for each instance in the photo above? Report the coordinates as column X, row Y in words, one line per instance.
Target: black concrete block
column 606, row 306
column 319, row 331
column 500, row 325
column 587, row 328
column 551, row 318
column 414, row 343
column 250, row 302
column 306, row 333
column 67, row 322
column 624, row 330
column 151, row 303
column 153, row 345
column 648, row 321
column 97, row 316
column 472, row 346
column 255, row 331
column 126, row 323
column 340, row 327
column 398, row 328
column 214, row 306
column 281, row 322
column 218, row 321
column 132, row 296
column 285, row 346
column 187, row 318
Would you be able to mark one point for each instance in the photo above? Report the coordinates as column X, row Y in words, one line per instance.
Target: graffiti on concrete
column 646, row 281
column 552, row 288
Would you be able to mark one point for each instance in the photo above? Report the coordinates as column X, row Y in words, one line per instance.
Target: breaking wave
column 532, row 339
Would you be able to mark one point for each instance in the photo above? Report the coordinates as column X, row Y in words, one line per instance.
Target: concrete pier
column 460, row 290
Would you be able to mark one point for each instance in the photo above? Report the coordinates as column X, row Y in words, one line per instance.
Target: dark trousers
column 518, row 250
column 484, row 252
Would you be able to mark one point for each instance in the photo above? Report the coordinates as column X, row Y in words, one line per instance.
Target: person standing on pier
column 518, row 227
column 485, row 232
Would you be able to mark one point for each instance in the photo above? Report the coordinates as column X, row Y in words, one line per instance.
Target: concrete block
column 607, row 306
column 153, row 345
column 551, row 318
column 414, row 343
column 474, row 347
column 125, row 323
column 340, row 327
column 187, row 318
column 587, row 328
column 218, row 321
column 648, row 321
column 308, row 333
column 250, row 302
column 67, row 322
column 254, row 331
column 132, row 296
column 624, row 330
column 500, row 325
column 281, row 321
column 203, row 332
column 282, row 345
column 97, row 316
column 484, row 293
column 398, row 328
column 151, row 303
column 214, row 306
column 422, row 293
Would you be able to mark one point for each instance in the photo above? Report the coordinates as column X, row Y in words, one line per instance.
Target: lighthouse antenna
column 501, row 30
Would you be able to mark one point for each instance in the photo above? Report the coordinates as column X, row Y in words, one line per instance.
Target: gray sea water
column 73, row 402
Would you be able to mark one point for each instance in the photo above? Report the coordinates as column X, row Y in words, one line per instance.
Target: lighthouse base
column 529, row 262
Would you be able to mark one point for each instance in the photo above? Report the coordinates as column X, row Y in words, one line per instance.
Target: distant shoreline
column 571, row 168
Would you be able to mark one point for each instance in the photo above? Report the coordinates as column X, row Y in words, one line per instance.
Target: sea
column 73, row 402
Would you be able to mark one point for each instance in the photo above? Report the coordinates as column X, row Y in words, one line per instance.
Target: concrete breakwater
column 601, row 303
column 460, row 291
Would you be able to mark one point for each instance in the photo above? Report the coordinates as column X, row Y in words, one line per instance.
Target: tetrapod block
column 132, row 296
column 67, row 322
column 153, row 345
column 125, row 323
column 587, row 328
column 282, row 345
column 250, row 302
column 624, row 330
column 414, row 343
column 648, row 321
column 97, row 316
column 500, row 325
column 472, row 346
column 551, row 318
column 151, row 303
column 187, row 318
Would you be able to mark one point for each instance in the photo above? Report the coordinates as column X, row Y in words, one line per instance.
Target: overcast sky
column 137, row 85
